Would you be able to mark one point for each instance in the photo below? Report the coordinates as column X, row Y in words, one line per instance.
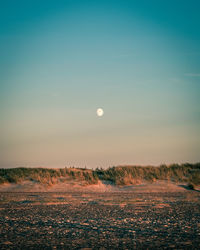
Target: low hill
column 116, row 176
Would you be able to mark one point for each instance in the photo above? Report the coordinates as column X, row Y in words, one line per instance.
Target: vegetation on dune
column 127, row 175
column 120, row 175
column 47, row 176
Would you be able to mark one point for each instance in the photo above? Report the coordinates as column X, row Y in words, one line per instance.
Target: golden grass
column 120, row 175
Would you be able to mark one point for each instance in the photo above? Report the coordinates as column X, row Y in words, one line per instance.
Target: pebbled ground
column 89, row 220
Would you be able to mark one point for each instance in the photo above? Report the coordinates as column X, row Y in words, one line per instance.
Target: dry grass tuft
column 120, row 175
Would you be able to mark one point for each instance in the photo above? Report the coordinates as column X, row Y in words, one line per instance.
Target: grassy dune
column 120, row 175
column 47, row 175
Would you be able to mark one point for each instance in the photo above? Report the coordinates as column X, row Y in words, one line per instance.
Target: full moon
column 100, row 112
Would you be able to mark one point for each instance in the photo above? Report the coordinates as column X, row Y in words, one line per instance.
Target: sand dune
column 30, row 186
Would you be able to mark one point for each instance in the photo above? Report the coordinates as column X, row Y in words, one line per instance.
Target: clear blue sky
column 61, row 60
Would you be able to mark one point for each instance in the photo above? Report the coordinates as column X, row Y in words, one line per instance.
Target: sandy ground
column 161, row 215
column 28, row 186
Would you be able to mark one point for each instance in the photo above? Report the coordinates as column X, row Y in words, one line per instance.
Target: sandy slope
column 28, row 186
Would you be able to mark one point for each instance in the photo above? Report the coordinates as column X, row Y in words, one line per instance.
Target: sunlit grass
column 120, row 175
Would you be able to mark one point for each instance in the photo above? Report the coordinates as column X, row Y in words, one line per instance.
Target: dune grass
column 120, row 175
column 46, row 175
column 126, row 175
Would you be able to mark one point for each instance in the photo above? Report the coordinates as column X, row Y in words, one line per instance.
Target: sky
column 62, row 60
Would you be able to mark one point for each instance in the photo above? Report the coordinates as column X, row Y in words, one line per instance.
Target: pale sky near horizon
column 61, row 60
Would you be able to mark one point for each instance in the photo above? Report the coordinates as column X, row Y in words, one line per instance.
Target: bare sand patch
column 29, row 186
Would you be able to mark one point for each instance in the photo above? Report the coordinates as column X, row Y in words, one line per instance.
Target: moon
column 100, row 112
